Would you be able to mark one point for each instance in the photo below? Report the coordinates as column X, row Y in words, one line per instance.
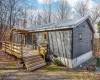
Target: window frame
column 80, row 37
column 45, row 35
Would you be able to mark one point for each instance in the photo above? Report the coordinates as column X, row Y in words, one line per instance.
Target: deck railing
column 12, row 48
column 42, row 49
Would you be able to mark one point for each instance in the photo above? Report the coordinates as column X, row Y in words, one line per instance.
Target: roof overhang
column 91, row 26
column 54, row 27
column 62, row 27
column 87, row 18
column 51, row 29
column 20, row 31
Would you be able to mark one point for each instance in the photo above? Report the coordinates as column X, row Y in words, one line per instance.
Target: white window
column 80, row 37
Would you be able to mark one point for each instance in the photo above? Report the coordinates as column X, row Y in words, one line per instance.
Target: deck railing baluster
column 12, row 48
column 42, row 51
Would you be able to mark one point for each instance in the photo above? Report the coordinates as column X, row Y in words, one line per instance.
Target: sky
column 39, row 3
column 97, row 1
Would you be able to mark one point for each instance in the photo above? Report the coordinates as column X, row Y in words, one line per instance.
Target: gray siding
column 79, row 48
column 60, row 43
column 29, row 39
column 39, row 38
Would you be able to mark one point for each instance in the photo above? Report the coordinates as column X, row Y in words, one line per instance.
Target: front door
column 34, row 41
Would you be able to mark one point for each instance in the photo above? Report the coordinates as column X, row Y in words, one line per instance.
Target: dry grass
column 51, row 72
column 70, row 75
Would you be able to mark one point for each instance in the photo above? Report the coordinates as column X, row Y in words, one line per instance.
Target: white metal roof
column 64, row 24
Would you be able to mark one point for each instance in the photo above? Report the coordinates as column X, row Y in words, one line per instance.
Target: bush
column 57, row 62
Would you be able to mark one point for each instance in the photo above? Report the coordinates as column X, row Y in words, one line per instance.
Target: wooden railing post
column 5, row 46
column 39, row 49
column 42, row 51
column 21, row 47
column 12, row 48
column 21, row 51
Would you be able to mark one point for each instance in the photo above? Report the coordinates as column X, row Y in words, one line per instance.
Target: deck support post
column 5, row 46
column 22, row 60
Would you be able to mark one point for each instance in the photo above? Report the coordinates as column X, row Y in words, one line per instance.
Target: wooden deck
column 12, row 48
column 29, row 52
column 17, row 50
column 31, row 58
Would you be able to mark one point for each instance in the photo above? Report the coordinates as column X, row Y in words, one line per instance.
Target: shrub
column 57, row 62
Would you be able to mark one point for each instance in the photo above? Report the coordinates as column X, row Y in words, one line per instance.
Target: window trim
column 45, row 36
column 80, row 37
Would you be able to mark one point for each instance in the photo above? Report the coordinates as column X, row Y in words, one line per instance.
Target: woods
column 18, row 13
column 49, row 33
column 10, row 13
column 83, row 8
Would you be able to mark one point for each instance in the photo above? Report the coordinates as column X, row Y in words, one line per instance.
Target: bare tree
column 82, row 8
column 47, row 12
column 63, row 10
column 95, row 14
column 24, row 18
column 10, row 10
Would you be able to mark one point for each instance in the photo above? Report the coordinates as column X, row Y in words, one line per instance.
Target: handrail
column 42, row 47
column 12, row 48
column 11, row 43
column 42, row 51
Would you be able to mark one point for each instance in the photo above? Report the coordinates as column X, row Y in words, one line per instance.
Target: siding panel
column 29, row 39
column 80, row 48
column 60, row 44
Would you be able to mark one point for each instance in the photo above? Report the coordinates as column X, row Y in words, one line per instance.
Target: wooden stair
column 34, row 62
column 31, row 58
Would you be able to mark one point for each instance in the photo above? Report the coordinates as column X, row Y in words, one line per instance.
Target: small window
column 45, row 36
column 34, row 39
column 83, row 25
column 80, row 37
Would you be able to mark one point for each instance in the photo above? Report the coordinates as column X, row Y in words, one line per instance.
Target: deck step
column 34, row 62
column 36, row 67
column 32, row 57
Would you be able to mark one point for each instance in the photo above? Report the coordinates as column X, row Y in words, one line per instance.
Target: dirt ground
column 10, row 69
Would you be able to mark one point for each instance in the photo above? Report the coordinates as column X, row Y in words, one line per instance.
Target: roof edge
column 87, row 18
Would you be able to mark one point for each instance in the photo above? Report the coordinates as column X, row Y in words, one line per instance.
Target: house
column 71, row 41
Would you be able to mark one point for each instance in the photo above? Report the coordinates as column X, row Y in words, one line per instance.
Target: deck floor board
column 29, row 52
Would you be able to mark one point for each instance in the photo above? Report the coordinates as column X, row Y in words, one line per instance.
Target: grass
column 8, row 64
column 48, row 72
column 53, row 68
column 1, row 74
column 57, row 70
